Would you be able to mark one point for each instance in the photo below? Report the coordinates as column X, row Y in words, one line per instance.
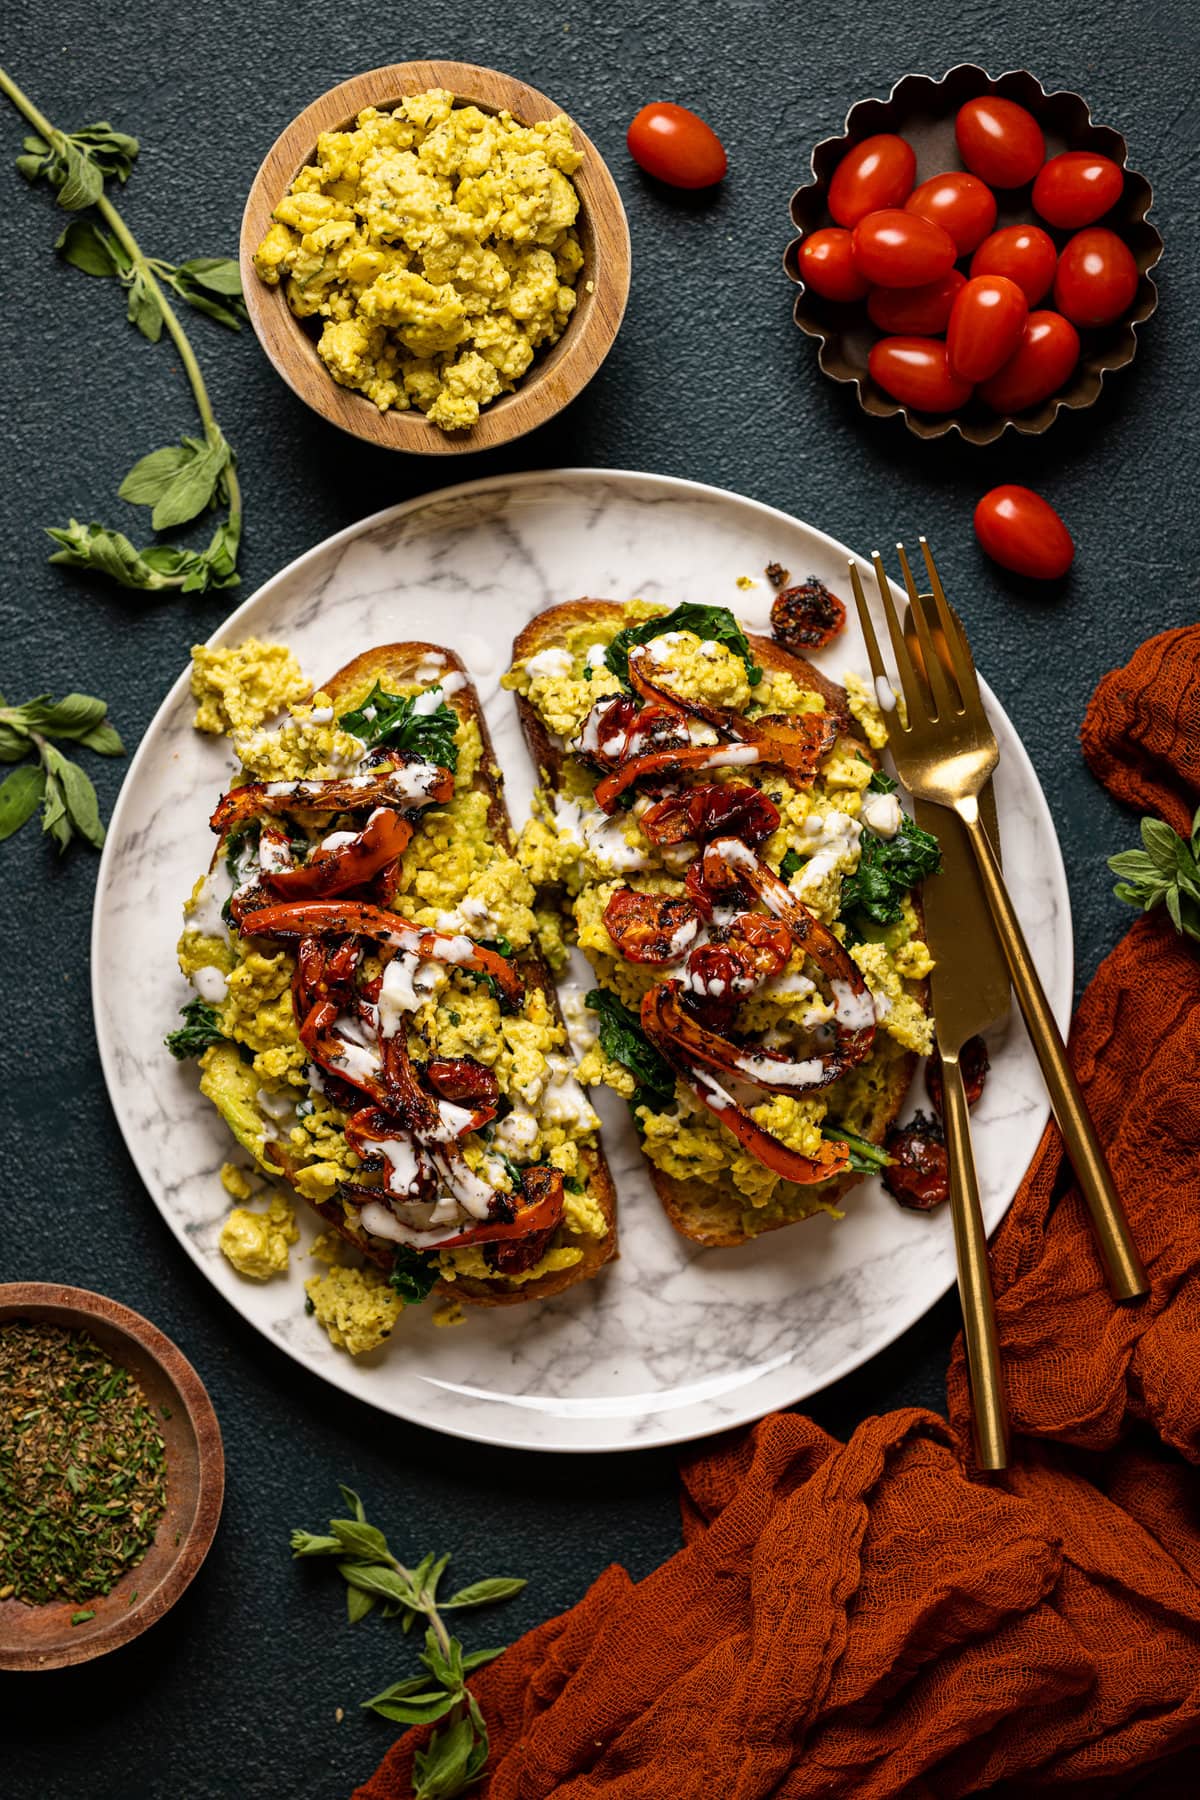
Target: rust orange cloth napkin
column 866, row 1620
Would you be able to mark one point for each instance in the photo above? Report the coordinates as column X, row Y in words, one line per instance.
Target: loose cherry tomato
column 827, row 265
column 959, row 203
column 986, row 326
column 876, row 173
column 916, row 371
column 1022, row 252
column 676, row 146
column 1022, row 532
column 899, row 250
column 1097, row 277
column 916, row 312
column 1076, row 188
column 1043, row 359
column 999, row 141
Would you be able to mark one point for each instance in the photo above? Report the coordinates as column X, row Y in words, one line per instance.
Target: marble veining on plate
column 671, row 1341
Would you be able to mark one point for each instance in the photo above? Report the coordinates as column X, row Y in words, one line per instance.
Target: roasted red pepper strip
column 463, row 1080
column 353, row 918
column 795, row 744
column 695, row 1042
column 389, row 785
column 385, row 837
column 854, row 1010
column 767, row 1149
column 540, row 1211
column 616, row 729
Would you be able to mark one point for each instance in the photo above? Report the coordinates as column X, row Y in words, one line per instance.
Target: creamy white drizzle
column 210, row 984
column 276, row 1106
column 516, row 1133
column 205, row 913
column 552, row 663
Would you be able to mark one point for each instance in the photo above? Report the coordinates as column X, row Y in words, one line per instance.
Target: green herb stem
column 144, row 267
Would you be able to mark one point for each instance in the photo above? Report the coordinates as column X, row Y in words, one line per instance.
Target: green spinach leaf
column 623, row 1040
column 391, row 719
column 708, row 622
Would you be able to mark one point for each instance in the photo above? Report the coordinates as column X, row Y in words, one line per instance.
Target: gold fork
column 945, row 750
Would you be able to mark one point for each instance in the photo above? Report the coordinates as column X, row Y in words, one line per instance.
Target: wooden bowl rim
column 80, row 1309
column 552, row 382
column 1085, row 386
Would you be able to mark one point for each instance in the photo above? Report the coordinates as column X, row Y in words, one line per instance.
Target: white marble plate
column 671, row 1342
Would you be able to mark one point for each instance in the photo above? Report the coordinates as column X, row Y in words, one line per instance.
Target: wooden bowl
column 922, row 110
column 553, row 379
column 43, row 1637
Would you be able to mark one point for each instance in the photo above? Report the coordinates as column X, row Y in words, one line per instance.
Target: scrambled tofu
column 256, row 1243
column 576, row 854
column 436, row 246
column 454, row 876
column 356, row 1307
column 236, row 687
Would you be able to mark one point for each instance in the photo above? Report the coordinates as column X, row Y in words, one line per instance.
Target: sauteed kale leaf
column 392, row 720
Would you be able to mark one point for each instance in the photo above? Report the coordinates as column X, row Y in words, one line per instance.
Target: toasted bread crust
column 714, row 1216
column 396, row 664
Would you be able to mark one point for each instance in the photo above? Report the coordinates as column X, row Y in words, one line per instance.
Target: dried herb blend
column 83, row 1471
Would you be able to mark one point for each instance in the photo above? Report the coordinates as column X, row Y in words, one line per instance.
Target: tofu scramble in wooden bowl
column 434, row 257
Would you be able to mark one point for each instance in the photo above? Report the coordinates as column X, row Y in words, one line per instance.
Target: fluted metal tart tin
column 922, row 110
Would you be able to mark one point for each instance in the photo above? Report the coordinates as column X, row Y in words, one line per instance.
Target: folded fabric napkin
column 867, row 1620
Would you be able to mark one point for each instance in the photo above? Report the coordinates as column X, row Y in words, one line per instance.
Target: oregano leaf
column 21, row 794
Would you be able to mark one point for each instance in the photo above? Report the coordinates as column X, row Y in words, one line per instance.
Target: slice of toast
column 395, row 666
column 712, row 1213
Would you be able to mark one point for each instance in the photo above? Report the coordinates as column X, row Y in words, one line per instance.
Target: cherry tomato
column 676, row 146
column 1097, row 277
column 1022, row 532
column 960, row 204
column 999, row 141
column 916, row 312
column 876, row 173
column 1043, row 359
column 827, row 265
column 916, row 371
column 1022, row 252
column 899, row 250
column 1076, row 188
column 986, row 326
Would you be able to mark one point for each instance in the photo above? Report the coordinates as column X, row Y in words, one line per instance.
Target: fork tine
column 874, row 657
column 915, row 698
column 935, row 672
column 959, row 650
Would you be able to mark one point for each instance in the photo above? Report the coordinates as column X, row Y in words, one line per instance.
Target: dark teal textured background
column 235, row 1693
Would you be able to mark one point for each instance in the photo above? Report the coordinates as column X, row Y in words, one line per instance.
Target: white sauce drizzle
column 210, row 984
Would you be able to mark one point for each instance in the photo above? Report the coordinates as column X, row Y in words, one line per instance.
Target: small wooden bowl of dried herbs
column 111, row 1475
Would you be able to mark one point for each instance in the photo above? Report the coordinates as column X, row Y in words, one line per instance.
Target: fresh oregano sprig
column 44, row 776
column 1165, row 872
column 184, row 480
column 456, row 1754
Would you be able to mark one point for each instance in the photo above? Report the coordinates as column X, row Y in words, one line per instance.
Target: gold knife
column 969, row 987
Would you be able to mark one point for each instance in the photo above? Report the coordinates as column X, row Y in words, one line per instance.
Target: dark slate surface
column 235, row 1694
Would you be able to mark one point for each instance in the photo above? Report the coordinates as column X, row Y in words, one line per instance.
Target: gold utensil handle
column 974, row 1276
column 1126, row 1276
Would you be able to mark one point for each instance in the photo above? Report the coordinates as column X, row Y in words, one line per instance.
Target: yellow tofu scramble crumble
column 436, row 246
